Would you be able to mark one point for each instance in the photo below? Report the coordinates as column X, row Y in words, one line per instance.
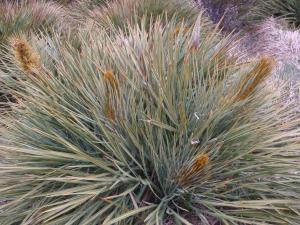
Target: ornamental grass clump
column 146, row 128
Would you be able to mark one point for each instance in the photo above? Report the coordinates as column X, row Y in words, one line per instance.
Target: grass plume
column 198, row 164
column 25, row 56
column 112, row 91
column 256, row 76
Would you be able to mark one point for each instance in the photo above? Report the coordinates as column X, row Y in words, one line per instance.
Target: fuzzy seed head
column 112, row 89
column 200, row 162
column 25, row 55
column 110, row 79
column 256, row 76
column 186, row 174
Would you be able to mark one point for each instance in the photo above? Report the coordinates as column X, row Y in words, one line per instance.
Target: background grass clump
column 121, row 13
column 19, row 17
column 286, row 9
column 24, row 17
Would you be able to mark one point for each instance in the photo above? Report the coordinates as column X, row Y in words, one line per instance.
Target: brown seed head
column 110, row 78
column 256, row 76
column 200, row 162
column 111, row 82
column 25, row 55
column 187, row 174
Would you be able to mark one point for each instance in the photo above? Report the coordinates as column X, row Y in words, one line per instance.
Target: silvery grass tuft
column 286, row 9
column 26, row 17
column 90, row 4
column 19, row 17
column 147, row 128
column 120, row 13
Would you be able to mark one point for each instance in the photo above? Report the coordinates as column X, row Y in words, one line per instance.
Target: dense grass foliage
column 143, row 128
column 25, row 17
column 134, row 112
column 19, row 17
column 120, row 13
column 288, row 9
column 250, row 12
